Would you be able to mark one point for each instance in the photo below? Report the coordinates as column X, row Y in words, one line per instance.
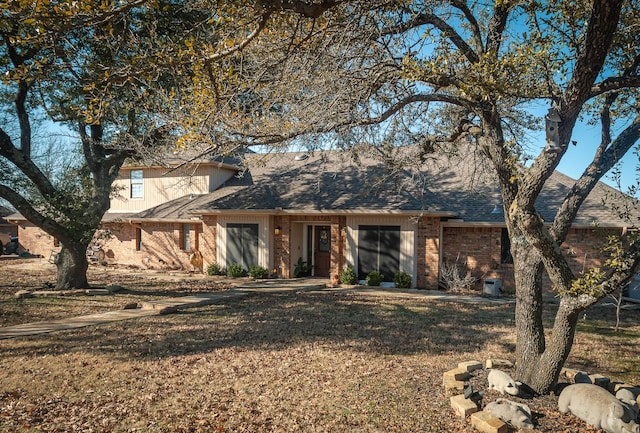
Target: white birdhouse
column 552, row 123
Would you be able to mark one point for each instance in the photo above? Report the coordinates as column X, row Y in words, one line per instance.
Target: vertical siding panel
column 161, row 185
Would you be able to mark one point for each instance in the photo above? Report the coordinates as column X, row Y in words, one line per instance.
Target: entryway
column 319, row 252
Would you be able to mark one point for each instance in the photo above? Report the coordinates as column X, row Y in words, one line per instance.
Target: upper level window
column 137, row 186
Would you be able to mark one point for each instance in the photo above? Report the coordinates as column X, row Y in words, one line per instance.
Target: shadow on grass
column 273, row 321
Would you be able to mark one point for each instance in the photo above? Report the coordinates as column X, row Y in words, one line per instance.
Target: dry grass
column 305, row 361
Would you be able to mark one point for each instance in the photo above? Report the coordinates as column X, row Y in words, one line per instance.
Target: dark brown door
column 322, row 251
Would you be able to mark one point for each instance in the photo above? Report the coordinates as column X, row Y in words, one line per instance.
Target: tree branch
column 306, row 8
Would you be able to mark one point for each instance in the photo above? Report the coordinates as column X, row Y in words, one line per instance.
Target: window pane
column 136, row 191
column 389, row 251
column 378, row 249
column 242, row 244
column 137, row 185
column 367, row 250
column 186, row 236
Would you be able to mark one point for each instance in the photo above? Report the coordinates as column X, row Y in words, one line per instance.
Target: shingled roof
column 336, row 182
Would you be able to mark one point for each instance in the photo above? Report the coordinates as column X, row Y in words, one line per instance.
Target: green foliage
column 402, row 280
column 374, row 278
column 235, row 270
column 258, row 272
column 214, row 269
column 348, row 276
column 302, row 269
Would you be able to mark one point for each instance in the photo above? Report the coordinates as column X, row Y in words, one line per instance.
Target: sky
column 578, row 156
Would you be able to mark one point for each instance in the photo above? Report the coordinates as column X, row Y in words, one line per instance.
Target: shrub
column 402, row 280
column 258, row 272
column 235, row 270
column 214, row 269
column 374, row 278
column 456, row 276
column 348, row 276
column 302, row 269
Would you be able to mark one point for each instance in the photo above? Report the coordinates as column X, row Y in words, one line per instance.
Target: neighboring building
column 8, row 231
column 330, row 211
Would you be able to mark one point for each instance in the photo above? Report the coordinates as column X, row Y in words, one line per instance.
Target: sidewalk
column 172, row 305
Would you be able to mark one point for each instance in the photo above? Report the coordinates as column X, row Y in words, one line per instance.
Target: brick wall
column 480, row 247
column 161, row 245
column 208, row 239
column 428, row 252
column 35, row 240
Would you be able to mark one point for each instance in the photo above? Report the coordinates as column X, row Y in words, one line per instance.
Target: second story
column 140, row 187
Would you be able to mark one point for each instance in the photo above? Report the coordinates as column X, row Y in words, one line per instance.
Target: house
column 332, row 209
column 8, row 231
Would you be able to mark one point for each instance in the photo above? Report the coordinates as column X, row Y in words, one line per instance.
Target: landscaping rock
column 470, row 365
column 498, row 363
column 570, row 373
column 457, row 374
column 97, row 292
column 23, row 294
column 463, row 406
column 450, row 383
column 114, row 288
column 130, row 306
column 600, row 380
column 581, row 377
column 487, row 423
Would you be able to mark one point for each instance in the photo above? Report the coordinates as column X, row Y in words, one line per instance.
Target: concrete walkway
column 171, row 305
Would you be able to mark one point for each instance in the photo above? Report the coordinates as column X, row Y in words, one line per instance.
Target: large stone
column 23, row 294
column 600, row 380
column 97, row 292
column 470, row 365
column 450, row 383
column 457, row 374
column 570, row 373
column 487, row 423
column 498, row 363
column 463, row 406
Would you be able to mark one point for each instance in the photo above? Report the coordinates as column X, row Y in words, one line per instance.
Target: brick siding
column 479, row 247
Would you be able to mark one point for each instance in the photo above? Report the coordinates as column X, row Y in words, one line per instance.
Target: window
column 137, row 185
column 138, row 239
column 378, row 249
column 185, row 237
column 242, row 244
column 505, row 248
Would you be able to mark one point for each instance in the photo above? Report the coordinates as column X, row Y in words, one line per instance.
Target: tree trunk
column 542, row 374
column 539, row 361
column 530, row 340
column 72, row 267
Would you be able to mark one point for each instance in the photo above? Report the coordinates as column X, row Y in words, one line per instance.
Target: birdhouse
column 552, row 123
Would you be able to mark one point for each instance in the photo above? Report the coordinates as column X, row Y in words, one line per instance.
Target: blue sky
column 579, row 156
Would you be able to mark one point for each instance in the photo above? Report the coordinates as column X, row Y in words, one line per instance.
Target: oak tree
column 463, row 76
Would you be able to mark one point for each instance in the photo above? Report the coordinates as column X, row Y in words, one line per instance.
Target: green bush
column 258, row 272
column 235, row 270
column 302, row 269
column 214, row 269
column 402, row 280
column 348, row 276
column 374, row 278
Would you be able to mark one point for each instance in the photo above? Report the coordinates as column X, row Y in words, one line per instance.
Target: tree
column 462, row 76
column 103, row 70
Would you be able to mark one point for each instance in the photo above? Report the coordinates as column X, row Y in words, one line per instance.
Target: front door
column 322, row 251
